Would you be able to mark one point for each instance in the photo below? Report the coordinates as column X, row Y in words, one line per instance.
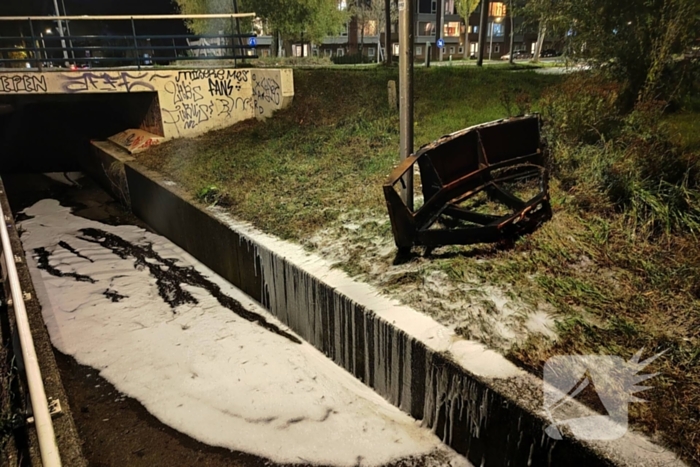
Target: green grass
column 298, row 171
column 323, row 161
column 685, row 125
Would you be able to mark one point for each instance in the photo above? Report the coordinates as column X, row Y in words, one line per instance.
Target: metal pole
column 438, row 34
column 50, row 457
column 37, row 57
column 60, row 33
column 512, row 31
column 238, row 27
column 43, row 46
column 136, row 44
column 482, row 31
column 406, row 93
column 233, row 45
column 387, row 32
column 491, row 42
column 70, row 41
column 441, row 5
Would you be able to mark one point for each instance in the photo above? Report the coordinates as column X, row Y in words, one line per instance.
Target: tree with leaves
column 291, row 19
column 634, row 40
column 368, row 12
column 464, row 9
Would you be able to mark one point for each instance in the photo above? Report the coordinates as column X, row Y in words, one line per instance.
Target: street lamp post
column 43, row 44
column 406, row 93
column 60, row 32
column 70, row 40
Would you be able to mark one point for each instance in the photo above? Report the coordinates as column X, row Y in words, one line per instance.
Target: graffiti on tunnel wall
column 110, row 82
column 184, row 102
column 23, row 83
column 206, row 98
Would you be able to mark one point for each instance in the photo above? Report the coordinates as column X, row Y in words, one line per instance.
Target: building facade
column 367, row 37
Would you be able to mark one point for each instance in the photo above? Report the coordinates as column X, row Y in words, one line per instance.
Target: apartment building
column 367, row 37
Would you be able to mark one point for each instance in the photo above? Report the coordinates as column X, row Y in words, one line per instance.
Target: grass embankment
column 319, row 166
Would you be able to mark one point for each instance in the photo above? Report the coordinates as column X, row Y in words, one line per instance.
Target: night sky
column 96, row 7
column 86, row 7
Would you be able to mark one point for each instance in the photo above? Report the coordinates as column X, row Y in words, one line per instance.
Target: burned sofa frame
column 456, row 168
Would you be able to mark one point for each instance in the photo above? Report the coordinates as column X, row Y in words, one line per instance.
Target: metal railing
column 38, row 50
column 48, row 447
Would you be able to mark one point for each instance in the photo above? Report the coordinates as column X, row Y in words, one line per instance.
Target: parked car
column 517, row 55
column 549, row 53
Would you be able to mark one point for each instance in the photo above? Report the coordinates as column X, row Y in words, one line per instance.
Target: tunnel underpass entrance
column 50, row 133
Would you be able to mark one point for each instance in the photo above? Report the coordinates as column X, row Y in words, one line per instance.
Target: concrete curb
column 69, row 443
column 473, row 398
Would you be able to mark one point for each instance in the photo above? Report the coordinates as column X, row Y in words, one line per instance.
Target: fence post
column 233, row 49
column 37, row 57
column 136, row 44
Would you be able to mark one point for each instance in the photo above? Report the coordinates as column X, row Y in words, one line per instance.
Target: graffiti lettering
column 193, row 75
column 267, row 90
column 171, row 117
column 23, row 83
column 106, row 82
column 224, row 107
column 221, row 87
column 184, row 92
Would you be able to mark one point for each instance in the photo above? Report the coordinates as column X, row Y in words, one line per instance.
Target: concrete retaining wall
column 474, row 399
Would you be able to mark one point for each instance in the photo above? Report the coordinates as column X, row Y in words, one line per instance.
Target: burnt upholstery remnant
column 473, row 183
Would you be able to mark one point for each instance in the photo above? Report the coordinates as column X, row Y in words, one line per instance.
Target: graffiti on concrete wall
column 196, row 98
column 110, row 81
column 266, row 93
column 23, row 83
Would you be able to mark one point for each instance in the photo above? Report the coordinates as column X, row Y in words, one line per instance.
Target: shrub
column 583, row 109
column 352, row 59
column 629, row 162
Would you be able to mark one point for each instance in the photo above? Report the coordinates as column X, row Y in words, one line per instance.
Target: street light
column 43, row 43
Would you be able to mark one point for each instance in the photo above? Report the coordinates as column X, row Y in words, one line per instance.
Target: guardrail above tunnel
column 39, row 44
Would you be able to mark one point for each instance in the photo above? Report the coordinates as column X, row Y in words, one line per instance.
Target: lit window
column 426, row 28
column 497, row 9
column 370, row 52
column 452, row 29
column 449, row 7
column 419, row 50
column 498, row 29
